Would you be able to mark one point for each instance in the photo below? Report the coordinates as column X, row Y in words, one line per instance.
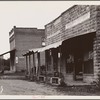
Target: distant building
column 21, row 39
column 1, row 57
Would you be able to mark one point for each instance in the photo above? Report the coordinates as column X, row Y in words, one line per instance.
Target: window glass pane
column 88, row 67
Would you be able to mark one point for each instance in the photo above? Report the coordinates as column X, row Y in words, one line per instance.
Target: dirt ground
column 25, row 87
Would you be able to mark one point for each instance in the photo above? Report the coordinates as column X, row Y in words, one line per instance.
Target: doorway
column 78, row 68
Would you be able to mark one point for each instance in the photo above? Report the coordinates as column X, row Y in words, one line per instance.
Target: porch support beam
column 52, row 68
column 29, row 64
column 59, row 59
column 46, row 61
column 38, row 55
column 33, row 64
column 26, row 65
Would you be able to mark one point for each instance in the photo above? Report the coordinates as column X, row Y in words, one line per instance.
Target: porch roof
column 7, row 52
column 54, row 45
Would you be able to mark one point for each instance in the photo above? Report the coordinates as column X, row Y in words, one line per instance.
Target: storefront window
column 88, row 62
column 88, row 67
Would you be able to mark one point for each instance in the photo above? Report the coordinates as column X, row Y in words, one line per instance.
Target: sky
column 30, row 14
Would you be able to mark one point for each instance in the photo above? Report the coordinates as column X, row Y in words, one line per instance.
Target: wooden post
column 46, row 62
column 3, row 64
column 29, row 64
column 26, row 65
column 52, row 68
column 59, row 59
column 34, row 65
column 74, row 77
column 38, row 54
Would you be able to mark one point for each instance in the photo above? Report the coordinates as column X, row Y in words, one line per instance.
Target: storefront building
column 21, row 39
column 72, row 46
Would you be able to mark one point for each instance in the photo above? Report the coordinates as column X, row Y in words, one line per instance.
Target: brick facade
column 78, row 20
column 57, row 31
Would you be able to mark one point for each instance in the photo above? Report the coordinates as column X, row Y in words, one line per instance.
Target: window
column 88, row 62
column 88, row 66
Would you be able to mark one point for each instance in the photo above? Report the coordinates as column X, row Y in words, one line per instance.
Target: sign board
column 16, row 59
column 78, row 20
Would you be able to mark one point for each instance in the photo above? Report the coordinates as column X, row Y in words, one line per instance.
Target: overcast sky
column 30, row 14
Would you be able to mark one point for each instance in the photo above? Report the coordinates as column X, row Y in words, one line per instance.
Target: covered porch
column 78, row 59
column 70, row 61
column 11, row 60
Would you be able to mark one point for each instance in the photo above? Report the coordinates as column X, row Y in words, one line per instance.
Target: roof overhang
column 34, row 50
column 7, row 52
column 54, row 45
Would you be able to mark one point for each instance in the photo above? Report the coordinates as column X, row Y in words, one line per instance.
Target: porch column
column 52, row 68
column 3, row 63
column 29, row 64
column 33, row 64
column 46, row 61
column 26, row 65
column 38, row 55
column 59, row 59
column 96, row 48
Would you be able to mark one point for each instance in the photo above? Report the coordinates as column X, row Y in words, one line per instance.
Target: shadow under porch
column 77, row 63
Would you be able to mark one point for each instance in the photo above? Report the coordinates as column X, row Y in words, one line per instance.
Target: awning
column 7, row 52
column 54, row 45
column 34, row 50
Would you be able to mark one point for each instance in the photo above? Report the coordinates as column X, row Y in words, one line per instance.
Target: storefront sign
column 78, row 20
column 58, row 55
column 16, row 59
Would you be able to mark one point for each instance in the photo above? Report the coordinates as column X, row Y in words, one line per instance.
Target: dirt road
column 25, row 87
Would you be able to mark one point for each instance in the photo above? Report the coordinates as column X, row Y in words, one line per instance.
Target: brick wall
column 82, row 16
column 53, row 31
column 97, row 46
column 83, row 22
column 76, row 21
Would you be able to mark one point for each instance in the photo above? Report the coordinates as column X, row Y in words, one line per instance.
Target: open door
column 78, row 68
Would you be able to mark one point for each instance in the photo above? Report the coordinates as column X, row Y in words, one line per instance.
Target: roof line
column 7, row 52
